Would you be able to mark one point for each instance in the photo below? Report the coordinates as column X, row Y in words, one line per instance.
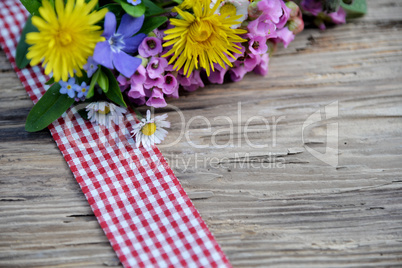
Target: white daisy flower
column 232, row 8
column 104, row 112
column 150, row 131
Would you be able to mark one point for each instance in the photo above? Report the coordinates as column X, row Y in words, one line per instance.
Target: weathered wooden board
column 277, row 206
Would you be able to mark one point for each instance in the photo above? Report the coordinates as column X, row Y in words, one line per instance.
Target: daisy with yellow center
column 202, row 38
column 233, row 8
column 67, row 36
column 150, row 131
column 104, row 113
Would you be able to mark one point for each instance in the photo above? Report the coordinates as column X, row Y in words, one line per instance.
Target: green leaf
column 50, row 107
column 358, row 8
column 51, row 81
column 178, row 1
column 135, row 11
column 152, row 9
column 151, row 23
column 94, row 80
column 32, row 6
column 83, row 113
column 103, row 81
column 114, row 92
column 22, row 48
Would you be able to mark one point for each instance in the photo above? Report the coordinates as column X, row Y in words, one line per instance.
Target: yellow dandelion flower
column 67, row 36
column 202, row 38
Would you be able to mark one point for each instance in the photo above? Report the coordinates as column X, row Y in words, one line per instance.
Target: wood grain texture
column 277, row 206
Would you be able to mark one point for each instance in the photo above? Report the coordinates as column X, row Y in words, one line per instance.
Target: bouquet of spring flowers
column 116, row 55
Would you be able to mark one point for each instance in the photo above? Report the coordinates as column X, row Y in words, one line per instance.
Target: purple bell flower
column 218, row 75
column 156, row 82
column 170, row 84
column 338, row 17
column 312, row 6
column 175, row 93
column 315, row 8
column 286, row 36
column 124, row 83
column 156, row 67
column 113, row 53
column 237, row 73
column 195, row 81
column 262, row 26
column 251, row 61
column 156, row 100
column 192, row 82
column 262, row 67
column 272, row 8
column 139, row 76
column 150, row 46
column 285, row 16
column 183, row 79
column 257, row 44
column 136, row 91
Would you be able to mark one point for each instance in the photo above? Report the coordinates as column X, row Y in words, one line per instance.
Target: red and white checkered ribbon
column 138, row 201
